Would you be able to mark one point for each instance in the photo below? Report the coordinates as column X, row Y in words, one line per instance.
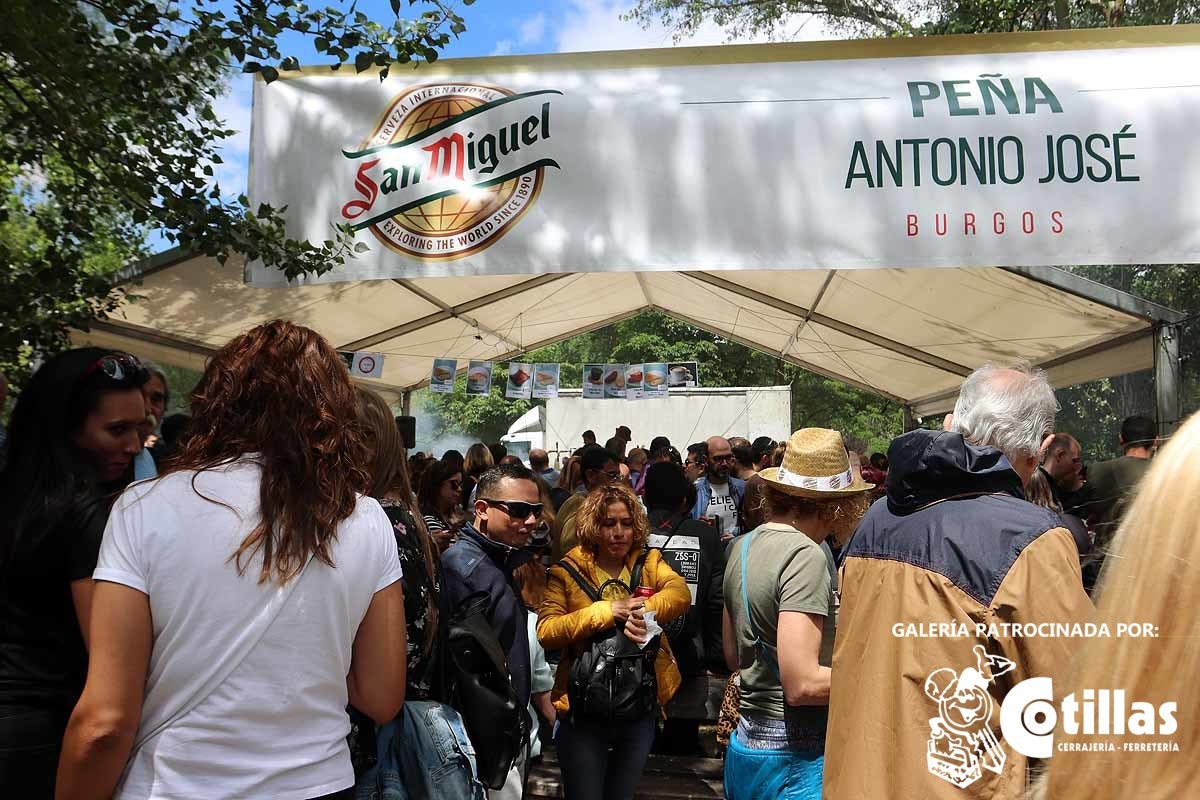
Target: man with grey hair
column 950, row 582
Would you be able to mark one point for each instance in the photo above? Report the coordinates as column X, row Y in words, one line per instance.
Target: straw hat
column 815, row 464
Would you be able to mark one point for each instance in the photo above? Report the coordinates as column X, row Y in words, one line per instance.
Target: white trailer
column 685, row 416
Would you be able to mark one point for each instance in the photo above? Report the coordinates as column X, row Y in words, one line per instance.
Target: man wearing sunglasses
column 489, row 549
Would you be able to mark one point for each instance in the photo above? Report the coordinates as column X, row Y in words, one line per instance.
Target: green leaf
column 270, row 74
column 361, row 247
column 362, row 61
column 251, row 66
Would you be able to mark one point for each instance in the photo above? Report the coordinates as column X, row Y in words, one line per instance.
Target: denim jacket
column 737, row 488
column 424, row 754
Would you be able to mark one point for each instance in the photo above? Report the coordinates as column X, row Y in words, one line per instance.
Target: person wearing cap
column 1111, row 488
column 954, row 541
column 780, row 617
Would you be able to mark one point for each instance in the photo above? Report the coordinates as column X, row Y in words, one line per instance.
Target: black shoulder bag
column 612, row 680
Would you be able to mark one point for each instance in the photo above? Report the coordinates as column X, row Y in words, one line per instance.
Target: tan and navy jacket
column 917, row 685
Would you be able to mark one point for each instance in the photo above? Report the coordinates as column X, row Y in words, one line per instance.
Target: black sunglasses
column 119, row 367
column 516, row 509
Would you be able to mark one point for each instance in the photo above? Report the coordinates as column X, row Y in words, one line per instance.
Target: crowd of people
column 271, row 598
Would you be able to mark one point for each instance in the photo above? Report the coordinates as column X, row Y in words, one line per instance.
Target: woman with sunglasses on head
column 245, row 596
column 602, row 758
column 439, row 495
column 72, row 440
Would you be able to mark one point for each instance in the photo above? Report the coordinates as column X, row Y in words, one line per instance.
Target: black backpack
column 613, row 679
column 481, row 691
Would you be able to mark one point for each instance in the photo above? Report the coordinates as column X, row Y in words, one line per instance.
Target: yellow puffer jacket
column 568, row 618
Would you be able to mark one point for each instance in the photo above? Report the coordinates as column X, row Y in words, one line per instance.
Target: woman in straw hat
column 780, row 612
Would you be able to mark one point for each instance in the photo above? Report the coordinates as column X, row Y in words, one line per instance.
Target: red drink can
column 643, row 591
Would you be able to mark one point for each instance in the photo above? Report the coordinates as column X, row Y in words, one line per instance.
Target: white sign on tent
column 997, row 158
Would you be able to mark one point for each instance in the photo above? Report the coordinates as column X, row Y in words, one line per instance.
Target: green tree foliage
column 652, row 336
column 107, row 108
column 776, row 18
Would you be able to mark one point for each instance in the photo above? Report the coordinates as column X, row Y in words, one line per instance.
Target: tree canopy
column 743, row 19
column 110, row 132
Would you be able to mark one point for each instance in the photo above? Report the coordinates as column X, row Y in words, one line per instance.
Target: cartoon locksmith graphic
column 961, row 742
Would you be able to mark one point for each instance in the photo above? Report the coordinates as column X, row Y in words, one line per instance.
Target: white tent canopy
column 909, row 335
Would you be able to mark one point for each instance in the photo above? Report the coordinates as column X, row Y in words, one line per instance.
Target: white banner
column 1063, row 157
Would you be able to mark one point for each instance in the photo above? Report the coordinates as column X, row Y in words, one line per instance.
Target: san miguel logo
column 450, row 168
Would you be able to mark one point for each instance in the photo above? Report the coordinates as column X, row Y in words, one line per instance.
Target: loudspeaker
column 408, row 431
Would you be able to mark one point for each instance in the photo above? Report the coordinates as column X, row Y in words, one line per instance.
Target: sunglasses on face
column 516, row 509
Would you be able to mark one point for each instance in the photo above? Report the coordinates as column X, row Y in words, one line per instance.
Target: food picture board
column 654, row 380
column 614, row 381
column 479, row 377
column 441, row 377
column 545, row 380
column 683, row 375
column 520, row 381
column 593, row 381
column 634, row 381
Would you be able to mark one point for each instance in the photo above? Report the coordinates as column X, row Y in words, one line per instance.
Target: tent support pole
column 406, row 403
column 1166, row 377
column 910, row 422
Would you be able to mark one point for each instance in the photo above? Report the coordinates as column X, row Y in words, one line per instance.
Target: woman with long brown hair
column 419, row 558
column 438, row 494
column 245, row 596
column 477, row 461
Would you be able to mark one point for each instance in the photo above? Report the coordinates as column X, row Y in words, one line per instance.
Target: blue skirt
column 776, row 774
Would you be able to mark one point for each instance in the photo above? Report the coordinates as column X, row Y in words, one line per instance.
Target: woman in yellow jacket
column 602, row 760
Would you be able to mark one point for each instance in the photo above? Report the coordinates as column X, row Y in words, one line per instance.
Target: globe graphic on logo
column 454, row 214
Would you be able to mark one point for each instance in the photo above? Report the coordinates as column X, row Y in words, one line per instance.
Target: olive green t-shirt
column 788, row 572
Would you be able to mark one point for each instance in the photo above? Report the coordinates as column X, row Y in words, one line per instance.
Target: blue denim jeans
column 424, row 754
column 603, row 762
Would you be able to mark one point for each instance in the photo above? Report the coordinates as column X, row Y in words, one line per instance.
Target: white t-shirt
column 720, row 504
column 276, row 727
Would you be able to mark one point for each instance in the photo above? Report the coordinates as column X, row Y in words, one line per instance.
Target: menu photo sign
column 545, row 380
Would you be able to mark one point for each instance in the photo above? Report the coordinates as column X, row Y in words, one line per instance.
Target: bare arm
column 102, row 728
column 81, row 594
column 805, row 682
column 541, row 701
column 379, row 661
column 729, row 643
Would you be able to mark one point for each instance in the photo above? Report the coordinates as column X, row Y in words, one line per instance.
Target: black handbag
column 612, row 680
column 482, row 692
